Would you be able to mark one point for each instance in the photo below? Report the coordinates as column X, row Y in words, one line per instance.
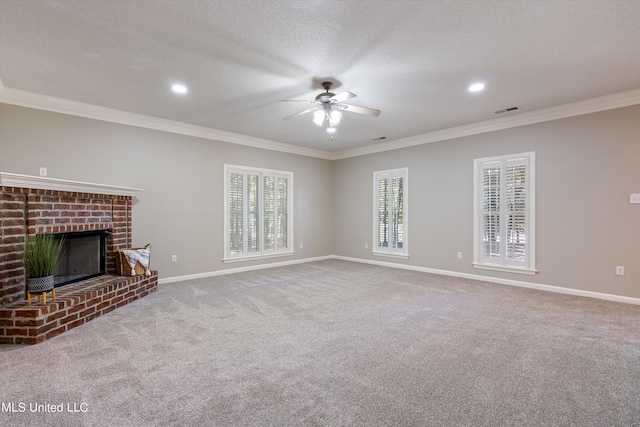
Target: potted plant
column 41, row 254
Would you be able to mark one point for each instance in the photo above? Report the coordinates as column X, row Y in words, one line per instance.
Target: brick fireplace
column 35, row 205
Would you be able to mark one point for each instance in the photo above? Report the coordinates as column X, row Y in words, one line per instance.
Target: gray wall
column 180, row 210
column 586, row 168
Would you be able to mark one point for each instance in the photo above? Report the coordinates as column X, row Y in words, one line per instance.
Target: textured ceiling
column 240, row 59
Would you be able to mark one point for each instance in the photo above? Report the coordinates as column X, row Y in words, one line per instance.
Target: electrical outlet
column 459, row 255
column 174, row 258
column 301, row 245
column 366, row 246
column 634, row 198
column 619, row 271
column 43, row 171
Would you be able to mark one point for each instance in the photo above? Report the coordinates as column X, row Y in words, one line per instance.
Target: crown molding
column 42, row 183
column 64, row 106
column 593, row 105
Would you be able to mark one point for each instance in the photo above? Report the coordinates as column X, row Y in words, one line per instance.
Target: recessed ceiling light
column 476, row 87
column 178, row 88
column 331, row 130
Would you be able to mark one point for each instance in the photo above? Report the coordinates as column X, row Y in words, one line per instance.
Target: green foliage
column 41, row 253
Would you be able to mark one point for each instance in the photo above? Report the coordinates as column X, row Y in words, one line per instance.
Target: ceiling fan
column 327, row 105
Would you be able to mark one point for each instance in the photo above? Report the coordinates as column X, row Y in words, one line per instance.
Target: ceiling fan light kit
column 327, row 105
column 332, row 116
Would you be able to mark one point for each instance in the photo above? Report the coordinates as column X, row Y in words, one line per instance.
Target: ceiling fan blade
column 343, row 96
column 361, row 110
column 308, row 110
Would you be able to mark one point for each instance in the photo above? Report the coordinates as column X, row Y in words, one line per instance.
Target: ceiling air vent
column 506, row 110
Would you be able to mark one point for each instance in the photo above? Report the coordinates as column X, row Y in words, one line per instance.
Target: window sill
column 517, row 270
column 256, row 257
column 390, row 255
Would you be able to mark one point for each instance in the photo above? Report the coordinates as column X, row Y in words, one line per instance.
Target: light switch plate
column 634, row 198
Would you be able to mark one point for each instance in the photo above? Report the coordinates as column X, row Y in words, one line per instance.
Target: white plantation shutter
column 253, row 213
column 491, row 211
column 282, row 213
column 236, row 213
column 397, row 220
column 257, row 211
column 504, row 226
column 516, row 212
column 390, row 218
column 383, row 213
column 269, row 213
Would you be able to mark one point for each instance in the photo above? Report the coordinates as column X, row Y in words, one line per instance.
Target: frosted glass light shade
column 318, row 117
column 334, row 118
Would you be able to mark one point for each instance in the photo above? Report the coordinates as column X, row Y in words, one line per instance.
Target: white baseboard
column 240, row 269
column 548, row 288
column 541, row 287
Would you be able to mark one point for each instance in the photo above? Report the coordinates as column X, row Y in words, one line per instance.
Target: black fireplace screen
column 83, row 257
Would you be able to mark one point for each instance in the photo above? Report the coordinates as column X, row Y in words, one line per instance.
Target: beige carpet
column 335, row 343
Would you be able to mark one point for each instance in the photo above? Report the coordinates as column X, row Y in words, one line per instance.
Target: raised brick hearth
column 74, row 305
column 33, row 205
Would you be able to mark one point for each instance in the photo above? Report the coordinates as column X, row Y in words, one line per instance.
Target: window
column 390, row 189
column 504, row 207
column 258, row 213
